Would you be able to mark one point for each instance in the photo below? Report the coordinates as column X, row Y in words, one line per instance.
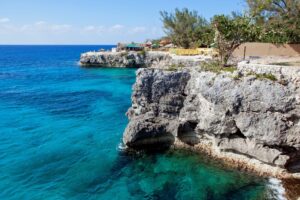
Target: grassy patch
column 175, row 67
column 123, row 54
column 237, row 77
column 282, row 64
column 266, row 76
column 263, row 76
column 142, row 53
column 216, row 67
column 286, row 63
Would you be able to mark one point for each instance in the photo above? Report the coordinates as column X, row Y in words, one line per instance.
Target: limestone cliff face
column 254, row 117
column 137, row 59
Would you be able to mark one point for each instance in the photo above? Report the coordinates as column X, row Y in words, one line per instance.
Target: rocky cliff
column 138, row 59
column 245, row 116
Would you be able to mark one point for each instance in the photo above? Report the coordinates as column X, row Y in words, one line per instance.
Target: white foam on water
column 277, row 189
column 121, row 147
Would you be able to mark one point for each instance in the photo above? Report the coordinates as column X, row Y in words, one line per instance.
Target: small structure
column 148, row 44
column 155, row 46
column 165, row 42
column 130, row 47
column 134, row 47
column 169, row 46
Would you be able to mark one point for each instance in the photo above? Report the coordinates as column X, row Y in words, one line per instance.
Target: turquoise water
column 61, row 126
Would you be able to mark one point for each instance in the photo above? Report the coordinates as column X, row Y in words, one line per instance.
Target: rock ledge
column 152, row 59
column 247, row 120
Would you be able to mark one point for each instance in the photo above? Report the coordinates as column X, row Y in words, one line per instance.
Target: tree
column 279, row 19
column 274, row 8
column 231, row 32
column 203, row 36
column 185, row 28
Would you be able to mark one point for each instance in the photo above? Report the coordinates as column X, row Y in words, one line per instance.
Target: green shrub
column 176, row 67
column 263, row 76
column 230, row 33
column 237, row 77
column 282, row 64
column 186, row 28
column 142, row 53
column 217, row 67
column 266, row 76
column 123, row 54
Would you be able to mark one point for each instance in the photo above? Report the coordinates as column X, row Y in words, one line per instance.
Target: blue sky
column 94, row 21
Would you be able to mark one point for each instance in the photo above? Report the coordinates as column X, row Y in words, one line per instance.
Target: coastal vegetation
column 175, row 67
column 186, row 28
column 230, row 33
column 214, row 66
column 142, row 53
column 262, row 22
column 277, row 20
column 268, row 76
column 260, row 76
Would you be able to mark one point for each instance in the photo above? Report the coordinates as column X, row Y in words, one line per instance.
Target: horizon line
column 57, row 44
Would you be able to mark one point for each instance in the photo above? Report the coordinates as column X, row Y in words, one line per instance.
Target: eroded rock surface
column 139, row 59
column 157, row 100
column 254, row 117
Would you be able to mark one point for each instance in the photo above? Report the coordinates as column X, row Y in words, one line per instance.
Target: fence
column 247, row 50
column 267, row 49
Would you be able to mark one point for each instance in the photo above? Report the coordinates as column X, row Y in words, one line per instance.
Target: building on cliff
column 130, row 47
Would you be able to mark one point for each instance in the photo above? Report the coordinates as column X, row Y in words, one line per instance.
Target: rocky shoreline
column 249, row 119
column 143, row 59
column 289, row 182
column 244, row 118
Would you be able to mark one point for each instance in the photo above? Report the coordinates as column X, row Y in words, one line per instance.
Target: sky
column 95, row 21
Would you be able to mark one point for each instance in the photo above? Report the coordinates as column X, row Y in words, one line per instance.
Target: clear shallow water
column 61, row 126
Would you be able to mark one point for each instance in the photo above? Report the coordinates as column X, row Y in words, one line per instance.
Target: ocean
column 61, row 127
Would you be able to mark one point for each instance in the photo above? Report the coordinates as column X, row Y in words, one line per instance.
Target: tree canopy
column 231, row 32
column 278, row 9
column 274, row 21
column 279, row 20
column 186, row 28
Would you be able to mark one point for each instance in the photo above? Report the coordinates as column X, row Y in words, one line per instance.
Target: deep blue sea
column 61, row 127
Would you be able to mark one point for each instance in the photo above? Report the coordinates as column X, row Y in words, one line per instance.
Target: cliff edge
column 245, row 117
column 143, row 59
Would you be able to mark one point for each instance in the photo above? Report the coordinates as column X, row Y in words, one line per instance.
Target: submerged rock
column 253, row 117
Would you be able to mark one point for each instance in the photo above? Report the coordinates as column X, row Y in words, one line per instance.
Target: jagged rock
column 138, row 59
column 254, row 117
column 143, row 134
column 149, row 123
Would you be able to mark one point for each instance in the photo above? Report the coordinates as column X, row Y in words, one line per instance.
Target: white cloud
column 43, row 27
column 93, row 30
column 4, row 20
column 39, row 23
column 138, row 29
column 60, row 27
column 117, row 27
column 89, row 28
column 42, row 32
